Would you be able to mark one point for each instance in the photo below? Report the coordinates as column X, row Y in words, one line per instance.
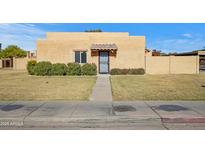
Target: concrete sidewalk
column 103, row 115
column 102, row 89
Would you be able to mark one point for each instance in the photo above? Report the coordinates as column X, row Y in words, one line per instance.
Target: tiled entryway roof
column 112, row 46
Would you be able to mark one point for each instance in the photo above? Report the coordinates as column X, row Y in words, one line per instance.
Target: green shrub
column 89, row 69
column 115, row 71
column 139, row 71
column 30, row 67
column 124, row 71
column 134, row 71
column 58, row 69
column 73, row 69
column 43, row 68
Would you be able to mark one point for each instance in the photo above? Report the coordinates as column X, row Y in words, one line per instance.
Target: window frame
column 81, row 57
column 80, row 51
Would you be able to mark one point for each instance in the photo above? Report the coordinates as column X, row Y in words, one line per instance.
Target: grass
column 159, row 87
column 18, row 85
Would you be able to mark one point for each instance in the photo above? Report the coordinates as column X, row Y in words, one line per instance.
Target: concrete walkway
column 103, row 115
column 102, row 89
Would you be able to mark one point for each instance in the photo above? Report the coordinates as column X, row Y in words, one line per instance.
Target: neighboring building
column 156, row 53
column 17, row 63
column 7, row 62
column 31, row 55
column 106, row 49
column 148, row 52
column 193, row 53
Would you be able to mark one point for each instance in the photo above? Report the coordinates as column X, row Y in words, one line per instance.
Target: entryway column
column 102, row 89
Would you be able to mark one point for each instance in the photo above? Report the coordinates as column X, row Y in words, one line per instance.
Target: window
column 80, row 56
column 83, row 57
column 77, row 56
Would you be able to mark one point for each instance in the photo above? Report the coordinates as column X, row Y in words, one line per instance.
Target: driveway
column 155, row 115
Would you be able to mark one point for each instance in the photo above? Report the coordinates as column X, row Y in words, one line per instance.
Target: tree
column 93, row 30
column 12, row 51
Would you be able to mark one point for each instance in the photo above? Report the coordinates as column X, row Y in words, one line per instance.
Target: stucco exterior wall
column 157, row 65
column 60, row 51
column 184, row 64
column 172, row 65
column 0, row 63
column 20, row 63
column 60, row 47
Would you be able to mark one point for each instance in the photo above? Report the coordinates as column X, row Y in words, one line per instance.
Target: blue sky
column 165, row 37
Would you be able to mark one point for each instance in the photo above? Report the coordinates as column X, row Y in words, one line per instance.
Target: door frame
column 8, row 61
column 108, row 62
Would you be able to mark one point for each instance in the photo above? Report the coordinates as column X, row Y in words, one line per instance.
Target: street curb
column 76, row 122
column 183, row 120
column 94, row 123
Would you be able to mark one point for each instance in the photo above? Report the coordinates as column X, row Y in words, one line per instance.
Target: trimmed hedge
column 89, row 69
column 58, row 69
column 73, row 69
column 30, row 67
column 115, row 71
column 134, row 71
column 43, row 68
column 139, row 71
column 46, row 68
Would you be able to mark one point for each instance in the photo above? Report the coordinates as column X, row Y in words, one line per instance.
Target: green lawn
column 159, row 87
column 18, row 85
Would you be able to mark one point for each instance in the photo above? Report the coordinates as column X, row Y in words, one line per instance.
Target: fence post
column 14, row 63
column 145, row 64
column 197, row 64
column 169, row 64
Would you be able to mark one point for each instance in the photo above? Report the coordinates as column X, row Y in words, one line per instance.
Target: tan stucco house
column 111, row 50
column 106, row 49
